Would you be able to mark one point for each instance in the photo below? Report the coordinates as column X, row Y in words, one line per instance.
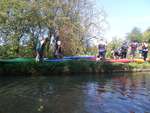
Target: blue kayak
column 56, row 60
column 78, row 57
column 69, row 58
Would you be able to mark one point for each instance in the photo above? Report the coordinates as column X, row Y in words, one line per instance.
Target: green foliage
column 114, row 44
column 30, row 67
column 135, row 35
column 146, row 35
column 28, row 18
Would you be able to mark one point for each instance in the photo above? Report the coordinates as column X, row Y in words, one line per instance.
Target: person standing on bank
column 124, row 50
column 144, row 50
column 58, row 52
column 40, row 49
column 102, row 49
column 133, row 47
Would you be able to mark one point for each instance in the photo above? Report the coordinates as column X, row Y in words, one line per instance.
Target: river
column 108, row 93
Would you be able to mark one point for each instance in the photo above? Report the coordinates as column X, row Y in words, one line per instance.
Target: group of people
column 57, row 48
column 122, row 52
column 117, row 53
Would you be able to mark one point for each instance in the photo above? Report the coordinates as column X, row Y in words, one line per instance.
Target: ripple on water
column 117, row 94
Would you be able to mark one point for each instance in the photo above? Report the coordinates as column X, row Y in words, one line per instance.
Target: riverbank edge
column 70, row 68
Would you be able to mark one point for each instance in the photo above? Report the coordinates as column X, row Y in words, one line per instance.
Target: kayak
column 90, row 58
column 121, row 60
column 138, row 60
column 79, row 57
column 17, row 60
column 56, row 60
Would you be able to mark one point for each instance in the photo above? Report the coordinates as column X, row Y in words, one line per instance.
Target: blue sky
column 124, row 15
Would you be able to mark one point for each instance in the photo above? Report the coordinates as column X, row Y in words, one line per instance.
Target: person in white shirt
column 40, row 48
column 58, row 52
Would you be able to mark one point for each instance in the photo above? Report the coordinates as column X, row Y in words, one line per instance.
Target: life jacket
column 145, row 47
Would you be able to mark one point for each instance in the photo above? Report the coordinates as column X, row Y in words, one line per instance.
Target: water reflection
column 120, row 94
column 124, row 93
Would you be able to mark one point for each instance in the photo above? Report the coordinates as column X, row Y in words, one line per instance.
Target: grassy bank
column 68, row 67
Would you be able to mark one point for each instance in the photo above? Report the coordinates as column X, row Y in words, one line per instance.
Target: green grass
column 30, row 67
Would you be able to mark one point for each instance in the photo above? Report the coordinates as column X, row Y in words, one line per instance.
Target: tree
column 146, row 35
column 30, row 19
column 135, row 34
column 114, row 44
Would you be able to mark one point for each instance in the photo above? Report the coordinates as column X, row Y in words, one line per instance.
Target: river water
column 115, row 93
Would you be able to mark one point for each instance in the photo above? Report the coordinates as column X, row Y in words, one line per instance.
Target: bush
column 67, row 67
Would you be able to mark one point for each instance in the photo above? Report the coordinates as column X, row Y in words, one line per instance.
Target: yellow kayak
column 139, row 60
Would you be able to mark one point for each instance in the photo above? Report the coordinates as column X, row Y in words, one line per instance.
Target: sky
column 124, row 15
